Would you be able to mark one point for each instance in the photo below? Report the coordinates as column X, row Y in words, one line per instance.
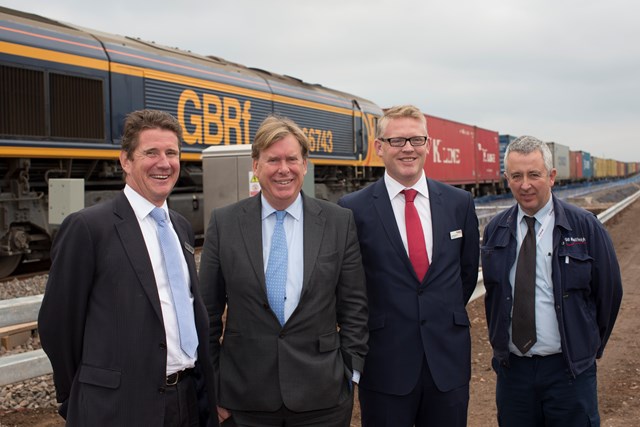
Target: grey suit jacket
column 101, row 323
column 307, row 363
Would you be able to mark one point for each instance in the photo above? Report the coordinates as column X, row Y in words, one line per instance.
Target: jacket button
column 420, row 292
column 161, row 390
column 281, row 336
column 266, row 306
column 423, row 322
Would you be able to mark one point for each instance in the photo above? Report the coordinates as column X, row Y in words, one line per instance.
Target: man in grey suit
column 111, row 321
column 291, row 346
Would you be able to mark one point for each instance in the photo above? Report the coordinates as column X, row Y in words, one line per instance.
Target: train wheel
column 8, row 264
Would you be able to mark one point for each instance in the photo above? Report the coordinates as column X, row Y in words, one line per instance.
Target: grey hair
column 527, row 145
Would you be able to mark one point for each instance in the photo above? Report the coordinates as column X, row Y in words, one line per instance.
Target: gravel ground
column 36, row 392
column 23, row 288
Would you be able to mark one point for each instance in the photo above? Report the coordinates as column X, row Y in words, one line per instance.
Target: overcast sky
column 561, row 70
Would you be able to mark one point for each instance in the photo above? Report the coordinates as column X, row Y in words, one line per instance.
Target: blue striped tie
column 172, row 256
column 276, row 275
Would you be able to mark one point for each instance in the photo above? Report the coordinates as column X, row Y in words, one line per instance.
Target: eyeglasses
column 415, row 141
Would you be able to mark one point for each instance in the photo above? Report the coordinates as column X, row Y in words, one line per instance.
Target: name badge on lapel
column 189, row 248
column 457, row 234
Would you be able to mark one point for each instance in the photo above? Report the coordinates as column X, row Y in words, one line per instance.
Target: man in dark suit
column 295, row 334
column 420, row 253
column 122, row 343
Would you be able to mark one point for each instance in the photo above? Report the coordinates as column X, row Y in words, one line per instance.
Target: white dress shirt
column 177, row 360
column 394, row 188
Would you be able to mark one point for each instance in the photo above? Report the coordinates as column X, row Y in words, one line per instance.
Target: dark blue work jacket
column 587, row 288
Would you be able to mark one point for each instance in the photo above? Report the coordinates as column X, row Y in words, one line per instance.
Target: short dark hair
column 140, row 120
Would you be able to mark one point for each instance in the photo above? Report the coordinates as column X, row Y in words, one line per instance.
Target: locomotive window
column 77, row 107
column 21, row 102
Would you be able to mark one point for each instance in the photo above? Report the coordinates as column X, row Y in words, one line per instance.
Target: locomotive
column 64, row 93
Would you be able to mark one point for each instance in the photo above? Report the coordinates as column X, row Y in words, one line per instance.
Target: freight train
column 65, row 90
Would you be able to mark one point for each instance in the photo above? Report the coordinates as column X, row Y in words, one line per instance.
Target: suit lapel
column 183, row 238
column 438, row 221
column 250, row 222
column 383, row 208
column 128, row 229
column 314, row 222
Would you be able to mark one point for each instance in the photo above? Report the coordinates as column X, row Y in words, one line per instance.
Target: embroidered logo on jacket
column 572, row 241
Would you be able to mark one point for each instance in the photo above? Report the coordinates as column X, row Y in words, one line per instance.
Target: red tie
column 415, row 236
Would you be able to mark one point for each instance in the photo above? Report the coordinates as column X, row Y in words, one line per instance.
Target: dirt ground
column 618, row 370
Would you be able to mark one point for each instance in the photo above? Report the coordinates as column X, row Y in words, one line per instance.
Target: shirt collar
column 141, row 206
column 394, row 187
column 294, row 209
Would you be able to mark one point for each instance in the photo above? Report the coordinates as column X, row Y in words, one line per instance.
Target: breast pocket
column 576, row 270
column 492, row 260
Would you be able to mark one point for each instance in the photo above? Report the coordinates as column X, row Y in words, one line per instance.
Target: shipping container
column 505, row 140
column 450, row 152
column 587, row 166
column 599, row 167
column 487, row 159
column 612, row 168
column 560, row 154
column 575, row 165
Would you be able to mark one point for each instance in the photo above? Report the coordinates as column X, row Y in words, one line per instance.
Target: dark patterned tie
column 415, row 235
column 524, row 310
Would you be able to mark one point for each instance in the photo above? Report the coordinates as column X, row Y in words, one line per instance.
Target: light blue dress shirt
column 547, row 330
column 293, row 228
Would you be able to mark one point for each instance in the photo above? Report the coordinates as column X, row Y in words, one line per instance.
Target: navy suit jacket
column 101, row 324
column 411, row 319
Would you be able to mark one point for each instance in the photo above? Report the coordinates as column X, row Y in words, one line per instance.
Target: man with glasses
column 420, row 249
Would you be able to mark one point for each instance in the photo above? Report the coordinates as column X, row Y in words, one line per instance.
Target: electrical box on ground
column 65, row 197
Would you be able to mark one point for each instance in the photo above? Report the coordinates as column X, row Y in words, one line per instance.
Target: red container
column 575, row 166
column 487, row 156
column 451, row 156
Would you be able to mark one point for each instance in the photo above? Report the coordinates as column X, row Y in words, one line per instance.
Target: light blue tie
column 277, row 268
column 172, row 256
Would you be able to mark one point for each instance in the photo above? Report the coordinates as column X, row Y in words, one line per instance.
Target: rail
column 31, row 364
column 617, row 208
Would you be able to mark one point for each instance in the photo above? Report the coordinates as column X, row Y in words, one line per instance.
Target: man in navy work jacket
column 421, row 270
column 547, row 336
